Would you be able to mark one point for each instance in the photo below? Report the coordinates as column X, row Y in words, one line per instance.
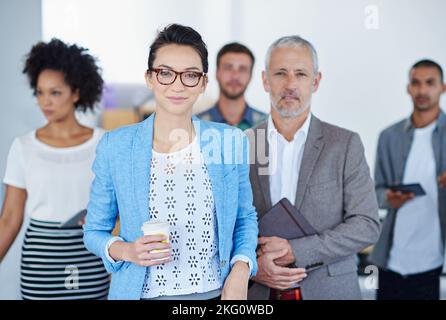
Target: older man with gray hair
column 321, row 169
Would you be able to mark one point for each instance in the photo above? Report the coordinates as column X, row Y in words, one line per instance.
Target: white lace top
column 181, row 194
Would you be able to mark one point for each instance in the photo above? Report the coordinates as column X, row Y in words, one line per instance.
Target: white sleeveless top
column 57, row 180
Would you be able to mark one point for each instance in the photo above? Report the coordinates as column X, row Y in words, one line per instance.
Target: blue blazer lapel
column 141, row 157
column 215, row 169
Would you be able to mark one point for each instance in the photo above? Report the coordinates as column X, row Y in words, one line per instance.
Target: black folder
column 285, row 221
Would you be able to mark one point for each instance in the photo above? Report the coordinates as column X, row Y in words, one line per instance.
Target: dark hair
column 429, row 64
column 79, row 69
column 236, row 48
column 181, row 35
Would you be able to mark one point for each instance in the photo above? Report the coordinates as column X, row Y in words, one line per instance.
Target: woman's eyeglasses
column 168, row 76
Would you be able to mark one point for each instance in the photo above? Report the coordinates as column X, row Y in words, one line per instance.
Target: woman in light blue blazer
column 174, row 168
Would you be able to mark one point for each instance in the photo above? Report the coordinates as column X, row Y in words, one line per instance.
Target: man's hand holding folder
column 276, row 244
column 281, row 223
column 277, row 277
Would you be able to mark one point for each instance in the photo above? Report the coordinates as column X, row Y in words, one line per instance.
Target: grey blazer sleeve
column 360, row 227
column 380, row 174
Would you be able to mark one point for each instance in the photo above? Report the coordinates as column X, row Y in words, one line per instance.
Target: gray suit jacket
column 336, row 194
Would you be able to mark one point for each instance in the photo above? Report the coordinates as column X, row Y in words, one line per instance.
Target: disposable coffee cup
column 157, row 228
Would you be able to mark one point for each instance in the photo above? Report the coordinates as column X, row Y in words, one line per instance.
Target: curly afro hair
column 79, row 69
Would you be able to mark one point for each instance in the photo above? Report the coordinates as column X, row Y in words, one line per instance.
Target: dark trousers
column 421, row 286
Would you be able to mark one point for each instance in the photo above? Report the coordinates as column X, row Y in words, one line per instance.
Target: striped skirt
column 56, row 265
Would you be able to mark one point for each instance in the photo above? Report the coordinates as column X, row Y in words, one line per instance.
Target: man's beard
column 289, row 114
column 424, row 107
column 233, row 96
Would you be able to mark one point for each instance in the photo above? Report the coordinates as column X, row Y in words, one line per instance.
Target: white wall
column 20, row 28
column 120, row 33
column 364, row 55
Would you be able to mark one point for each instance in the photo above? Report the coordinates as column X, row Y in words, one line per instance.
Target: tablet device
column 414, row 188
column 73, row 222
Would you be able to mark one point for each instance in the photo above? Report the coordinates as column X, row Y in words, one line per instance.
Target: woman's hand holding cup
column 149, row 250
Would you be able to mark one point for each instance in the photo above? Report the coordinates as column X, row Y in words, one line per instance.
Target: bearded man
column 321, row 169
column 235, row 63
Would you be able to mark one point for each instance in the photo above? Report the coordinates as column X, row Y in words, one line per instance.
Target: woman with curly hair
column 49, row 173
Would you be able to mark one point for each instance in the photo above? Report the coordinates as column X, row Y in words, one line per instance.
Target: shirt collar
column 247, row 116
column 441, row 121
column 302, row 130
column 218, row 117
column 215, row 114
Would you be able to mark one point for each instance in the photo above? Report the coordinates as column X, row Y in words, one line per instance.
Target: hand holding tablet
column 397, row 195
column 414, row 188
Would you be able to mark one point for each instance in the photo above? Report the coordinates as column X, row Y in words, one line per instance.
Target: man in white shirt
column 410, row 251
column 321, row 170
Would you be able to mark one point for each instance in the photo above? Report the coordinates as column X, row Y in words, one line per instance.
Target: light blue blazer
column 121, row 185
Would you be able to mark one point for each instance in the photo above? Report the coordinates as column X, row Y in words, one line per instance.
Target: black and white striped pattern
column 56, row 265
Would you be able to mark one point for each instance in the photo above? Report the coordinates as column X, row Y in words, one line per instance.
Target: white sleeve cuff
column 243, row 258
column 107, row 248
